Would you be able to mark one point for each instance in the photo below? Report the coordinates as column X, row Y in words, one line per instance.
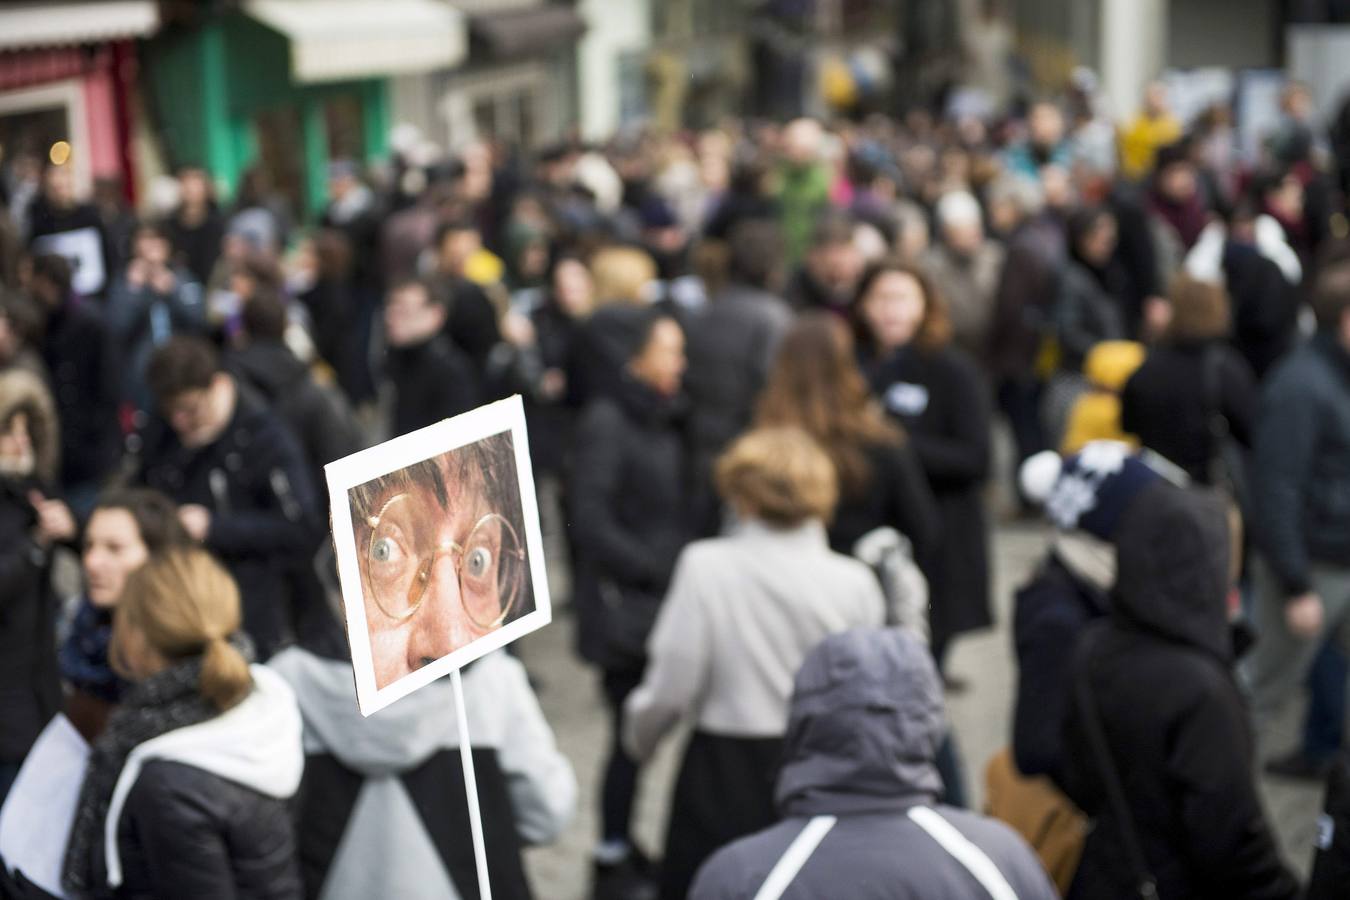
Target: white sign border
column 399, row 453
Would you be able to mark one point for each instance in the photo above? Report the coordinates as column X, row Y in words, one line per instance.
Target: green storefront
column 285, row 86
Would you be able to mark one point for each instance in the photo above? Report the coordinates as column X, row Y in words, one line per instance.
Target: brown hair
column 780, row 476
column 935, row 331
column 181, row 364
column 1200, row 310
column 185, row 604
column 815, row 385
column 155, row 515
column 1331, row 293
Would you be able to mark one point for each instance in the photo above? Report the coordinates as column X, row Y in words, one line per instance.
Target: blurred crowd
column 765, row 368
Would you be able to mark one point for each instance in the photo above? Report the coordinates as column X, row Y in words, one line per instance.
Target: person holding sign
column 382, row 809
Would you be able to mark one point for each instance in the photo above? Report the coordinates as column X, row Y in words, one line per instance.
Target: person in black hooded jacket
column 1158, row 673
column 1331, row 863
column 29, row 690
column 629, row 523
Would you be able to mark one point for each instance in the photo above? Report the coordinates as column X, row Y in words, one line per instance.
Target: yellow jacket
column 1095, row 416
column 1140, row 141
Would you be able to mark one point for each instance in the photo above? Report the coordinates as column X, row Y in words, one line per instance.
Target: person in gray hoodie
column 382, row 807
column 858, row 793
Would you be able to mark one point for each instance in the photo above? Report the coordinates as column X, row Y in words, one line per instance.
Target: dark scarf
column 162, row 703
column 1189, row 217
column 84, row 656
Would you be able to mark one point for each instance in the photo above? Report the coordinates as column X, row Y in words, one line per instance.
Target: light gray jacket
column 741, row 615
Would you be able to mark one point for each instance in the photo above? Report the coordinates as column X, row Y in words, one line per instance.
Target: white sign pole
column 471, row 788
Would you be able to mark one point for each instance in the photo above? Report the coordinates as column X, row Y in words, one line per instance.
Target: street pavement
column 570, row 694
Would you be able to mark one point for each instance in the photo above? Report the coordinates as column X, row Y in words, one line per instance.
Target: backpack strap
column 791, row 862
column 963, row 850
column 1145, row 884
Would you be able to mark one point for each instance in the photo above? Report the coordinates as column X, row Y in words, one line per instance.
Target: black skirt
column 724, row 792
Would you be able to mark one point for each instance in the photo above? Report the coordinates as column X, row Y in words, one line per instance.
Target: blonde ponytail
column 225, row 676
column 185, row 604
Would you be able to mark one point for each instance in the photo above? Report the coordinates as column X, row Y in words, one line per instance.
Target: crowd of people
column 764, row 367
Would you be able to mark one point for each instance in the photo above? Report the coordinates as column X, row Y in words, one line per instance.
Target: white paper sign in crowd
column 439, row 550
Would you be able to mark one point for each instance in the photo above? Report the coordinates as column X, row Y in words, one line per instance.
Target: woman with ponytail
column 185, row 791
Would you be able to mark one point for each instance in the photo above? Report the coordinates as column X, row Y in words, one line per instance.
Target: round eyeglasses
column 402, row 551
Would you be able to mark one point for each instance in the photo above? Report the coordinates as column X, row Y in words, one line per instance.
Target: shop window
column 29, row 136
column 632, row 81
column 279, row 168
column 485, row 117
column 510, row 116
column 343, row 121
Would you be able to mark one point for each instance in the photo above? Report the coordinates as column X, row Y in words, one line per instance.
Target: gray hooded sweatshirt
column 865, row 725
column 386, row 846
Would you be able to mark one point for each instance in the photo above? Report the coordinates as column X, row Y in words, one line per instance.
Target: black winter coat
column 265, row 521
column 940, row 398
column 1025, row 297
column 628, row 519
column 1331, row 865
column 30, row 692
column 472, row 324
column 186, row 832
column 551, row 421
column 198, row 246
column 1050, row 613
column 337, row 337
column 1169, row 402
column 433, row 380
column 897, row 496
column 1302, row 497
column 1265, row 306
column 1086, row 311
column 86, row 381
column 731, row 346
column 1160, row 674
column 316, row 414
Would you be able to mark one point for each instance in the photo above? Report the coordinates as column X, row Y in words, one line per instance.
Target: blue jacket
column 1301, row 492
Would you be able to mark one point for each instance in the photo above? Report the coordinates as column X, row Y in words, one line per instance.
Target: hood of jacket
column 1173, row 557
column 269, row 366
column 399, row 738
column 256, row 744
column 21, row 389
column 864, row 727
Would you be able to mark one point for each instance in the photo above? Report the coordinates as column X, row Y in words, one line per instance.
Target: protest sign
column 83, row 247
column 439, row 551
column 38, row 813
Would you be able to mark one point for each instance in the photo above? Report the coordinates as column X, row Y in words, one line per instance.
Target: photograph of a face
column 439, row 551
